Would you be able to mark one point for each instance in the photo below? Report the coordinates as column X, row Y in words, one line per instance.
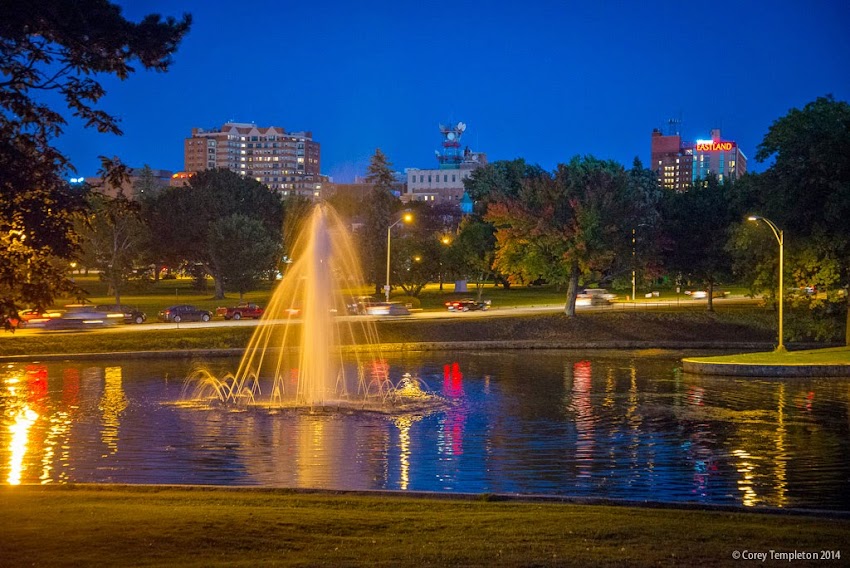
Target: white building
column 444, row 183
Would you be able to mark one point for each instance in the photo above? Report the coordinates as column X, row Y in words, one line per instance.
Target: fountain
column 308, row 351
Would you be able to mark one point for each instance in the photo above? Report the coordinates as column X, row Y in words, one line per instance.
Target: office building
column 679, row 163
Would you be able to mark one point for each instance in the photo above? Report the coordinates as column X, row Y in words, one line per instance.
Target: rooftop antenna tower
column 674, row 126
column 451, row 156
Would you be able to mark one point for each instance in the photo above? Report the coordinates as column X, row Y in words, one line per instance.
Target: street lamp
column 634, row 298
column 780, row 238
column 446, row 242
column 407, row 218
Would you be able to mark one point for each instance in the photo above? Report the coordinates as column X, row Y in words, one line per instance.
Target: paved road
column 415, row 316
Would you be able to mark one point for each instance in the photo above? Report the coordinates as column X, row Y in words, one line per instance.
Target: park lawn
column 828, row 356
column 152, row 526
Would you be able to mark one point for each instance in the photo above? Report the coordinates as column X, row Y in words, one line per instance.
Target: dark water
column 566, row 423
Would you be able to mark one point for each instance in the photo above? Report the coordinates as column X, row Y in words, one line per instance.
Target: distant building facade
column 288, row 162
column 135, row 186
column 444, row 183
column 678, row 163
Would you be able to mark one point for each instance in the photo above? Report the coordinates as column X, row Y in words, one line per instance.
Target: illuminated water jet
column 308, row 349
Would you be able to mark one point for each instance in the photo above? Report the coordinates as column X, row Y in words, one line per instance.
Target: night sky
column 542, row 80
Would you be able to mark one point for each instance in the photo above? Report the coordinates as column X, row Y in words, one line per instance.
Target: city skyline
column 544, row 85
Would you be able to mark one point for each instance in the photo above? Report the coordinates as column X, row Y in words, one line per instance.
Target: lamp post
column 446, row 242
column 407, row 218
column 634, row 298
column 780, row 238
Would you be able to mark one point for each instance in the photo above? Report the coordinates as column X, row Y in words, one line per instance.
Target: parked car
column 467, row 305
column 243, row 310
column 184, row 312
column 129, row 313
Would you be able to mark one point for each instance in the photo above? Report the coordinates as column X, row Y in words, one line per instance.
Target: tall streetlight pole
column 634, row 275
column 407, row 218
column 780, row 238
column 446, row 242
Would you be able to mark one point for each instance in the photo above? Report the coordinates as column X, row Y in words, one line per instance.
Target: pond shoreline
column 418, row 347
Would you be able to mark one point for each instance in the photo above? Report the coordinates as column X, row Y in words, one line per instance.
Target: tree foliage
column 380, row 208
column 566, row 227
column 61, row 47
column 806, row 193
column 184, row 217
column 697, row 225
column 113, row 237
column 499, row 180
column 472, row 251
column 241, row 251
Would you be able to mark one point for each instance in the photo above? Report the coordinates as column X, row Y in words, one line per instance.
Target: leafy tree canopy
column 182, row 217
column 58, row 46
column 569, row 225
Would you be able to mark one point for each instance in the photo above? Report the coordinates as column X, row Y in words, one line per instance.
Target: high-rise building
column 288, row 162
column 445, row 183
column 678, row 163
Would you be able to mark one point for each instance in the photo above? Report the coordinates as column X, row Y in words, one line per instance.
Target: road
column 415, row 316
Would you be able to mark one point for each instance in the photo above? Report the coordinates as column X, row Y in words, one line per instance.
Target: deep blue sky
column 542, row 80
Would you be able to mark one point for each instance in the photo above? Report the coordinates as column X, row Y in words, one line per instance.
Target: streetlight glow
column 407, row 218
column 780, row 238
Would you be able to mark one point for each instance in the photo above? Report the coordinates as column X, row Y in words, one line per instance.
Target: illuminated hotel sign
column 714, row 146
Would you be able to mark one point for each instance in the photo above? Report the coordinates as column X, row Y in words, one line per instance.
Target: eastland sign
column 712, row 146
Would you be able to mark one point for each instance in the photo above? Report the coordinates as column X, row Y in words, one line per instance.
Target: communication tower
column 451, row 156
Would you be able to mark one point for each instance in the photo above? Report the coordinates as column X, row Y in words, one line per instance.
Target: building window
column 445, row 178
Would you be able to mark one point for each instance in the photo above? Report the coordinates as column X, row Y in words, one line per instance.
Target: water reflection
column 560, row 423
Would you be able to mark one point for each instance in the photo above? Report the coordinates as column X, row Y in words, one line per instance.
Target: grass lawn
column 152, row 526
column 829, row 356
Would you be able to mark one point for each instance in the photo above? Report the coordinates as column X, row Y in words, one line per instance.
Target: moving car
column 129, row 313
column 82, row 317
column 467, row 305
column 594, row 297
column 387, row 309
column 184, row 312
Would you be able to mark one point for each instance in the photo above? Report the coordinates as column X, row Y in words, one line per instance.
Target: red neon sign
column 715, row 146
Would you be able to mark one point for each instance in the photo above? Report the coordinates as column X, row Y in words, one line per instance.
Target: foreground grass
column 145, row 526
column 830, row 356
column 752, row 325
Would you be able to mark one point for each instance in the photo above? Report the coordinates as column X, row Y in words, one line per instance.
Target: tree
column 472, row 251
column 184, row 217
column 62, row 47
column 565, row 227
column 416, row 259
column 380, row 206
column 697, row 226
column 146, row 185
column 113, row 234
column 806, row 192
column 502, row 179
column 241, row 251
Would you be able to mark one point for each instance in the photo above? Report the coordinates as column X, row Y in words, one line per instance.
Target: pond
column 592, row 424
